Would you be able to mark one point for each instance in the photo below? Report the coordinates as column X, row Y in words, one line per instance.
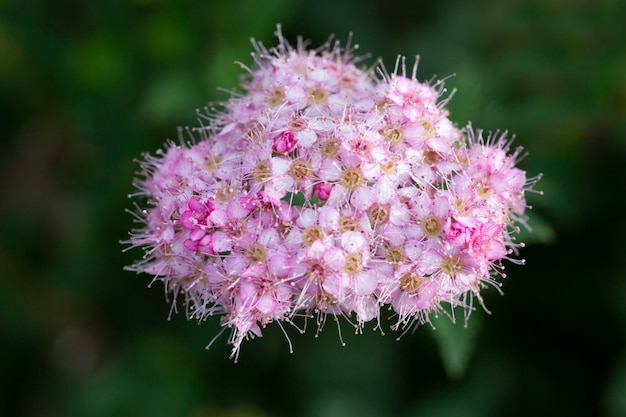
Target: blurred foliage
column 85, row 87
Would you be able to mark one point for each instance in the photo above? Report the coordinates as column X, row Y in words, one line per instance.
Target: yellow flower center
column 352, row 179
column 317, row 95
column 411, row 282
column 392, row 135
column 256, row 253
column 300, row 171
column 378, row 214
column 330, row 148
column 275, row 97
column 311, row 234
column 262, row 171
column 225, row 193
column 348, row 224
column 451, row 265
column 431, row 225
column 395, row 255
column 354, row 264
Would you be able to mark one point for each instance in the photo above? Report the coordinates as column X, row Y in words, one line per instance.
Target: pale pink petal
column 297, row 95
column 362, row 198
column 392, row 234
column 353, row 242
column 366, row 308
column 247, row 292
column 306, row 138
column 221, row 242
column 269, row 238
column 278, row 265
column 426, row 295
column 237, row 210
column 307, row 218
column 413, row 134
column 235, row 264
column 330, row 170
column 399, row 215
column 316, row 250
column 168, row 233
column 365, row 282
column 267, row 305
column 335, row 259
column 253, row 271
column 336, row 285
column 430, row 261
column 280, row 165
column 276, row 189
column 338, row 195
column 328, row 218
column 219, row 217
column 385, row 189
column 441, row 207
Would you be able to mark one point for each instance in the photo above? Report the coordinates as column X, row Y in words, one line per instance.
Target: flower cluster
column 329, row 189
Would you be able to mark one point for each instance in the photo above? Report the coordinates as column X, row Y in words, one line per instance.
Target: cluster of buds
column 329, row 189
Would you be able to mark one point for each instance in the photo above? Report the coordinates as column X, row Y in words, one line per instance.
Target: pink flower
column 324, row 190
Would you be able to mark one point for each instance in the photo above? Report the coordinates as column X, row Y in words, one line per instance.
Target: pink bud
column 322, row 191
column 285, row 143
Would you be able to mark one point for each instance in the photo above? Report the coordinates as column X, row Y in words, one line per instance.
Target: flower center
column 212, row 162
column 361, row 147
column 330, row 148
column 354, row 264
column 411, row 282
column 483, row 189
column 284, row 229
column 351, row 179
column 389, row 165
column 262, row 171
column 267, row 285
column 348, row 224
column 225, row 193
column 311, row 234
column 275, row 97
column 317, row 95
column 451, row 265
column 395, row 255
column 431, row 225
column 431, row 157
column 429, row 127
column 235, row 228
column 392, row 135
column 378, row 214
column 298, row 123
column 300, row 171
column 256, row 253
column 324, row 301
column 317, row 271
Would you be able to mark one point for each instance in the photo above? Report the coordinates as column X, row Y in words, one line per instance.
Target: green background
column 86, row 87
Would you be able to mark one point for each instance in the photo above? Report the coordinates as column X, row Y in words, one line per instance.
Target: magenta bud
column 285, row 143
column 322, row 191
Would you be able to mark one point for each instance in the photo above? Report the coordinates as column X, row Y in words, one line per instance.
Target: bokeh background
column 86, row 87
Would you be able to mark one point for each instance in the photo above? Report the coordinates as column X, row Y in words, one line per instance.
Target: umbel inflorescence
column 325, row 189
